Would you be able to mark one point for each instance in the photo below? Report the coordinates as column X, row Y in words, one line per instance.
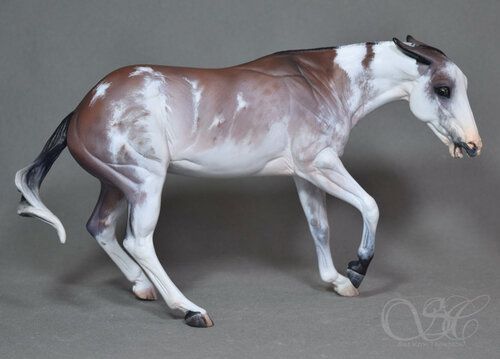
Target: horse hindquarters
column 118, row 160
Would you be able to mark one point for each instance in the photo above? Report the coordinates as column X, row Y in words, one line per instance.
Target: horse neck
column 378, row 73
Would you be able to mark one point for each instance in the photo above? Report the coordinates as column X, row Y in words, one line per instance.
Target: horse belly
column 268, row 155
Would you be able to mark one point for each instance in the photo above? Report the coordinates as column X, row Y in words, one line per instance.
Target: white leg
column 102, row 225
column 144, row 209
column 328, row 173
column 313, row 202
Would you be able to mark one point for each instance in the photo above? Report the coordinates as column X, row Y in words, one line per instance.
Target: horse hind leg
column 144, row 209
column 102, row 225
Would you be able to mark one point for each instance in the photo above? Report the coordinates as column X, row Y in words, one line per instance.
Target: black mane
column 298, row 51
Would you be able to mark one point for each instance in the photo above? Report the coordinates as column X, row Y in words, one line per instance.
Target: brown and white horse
column 289, row 113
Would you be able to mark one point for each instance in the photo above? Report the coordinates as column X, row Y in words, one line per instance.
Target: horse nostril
column 471, row 149
column 472, row 146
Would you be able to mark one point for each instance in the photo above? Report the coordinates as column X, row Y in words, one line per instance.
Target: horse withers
column 289, row 113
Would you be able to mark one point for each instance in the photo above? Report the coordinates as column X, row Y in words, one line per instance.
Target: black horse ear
column 415, row 42
column 412, row 40
column 413, row 52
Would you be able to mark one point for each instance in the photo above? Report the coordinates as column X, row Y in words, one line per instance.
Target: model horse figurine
column 289, row 113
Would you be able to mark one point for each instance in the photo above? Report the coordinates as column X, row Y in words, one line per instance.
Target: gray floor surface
column 248, row 259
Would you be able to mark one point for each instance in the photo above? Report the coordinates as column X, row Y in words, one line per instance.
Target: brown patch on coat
column 305, row 88
column 319, row 98
column 368, row 56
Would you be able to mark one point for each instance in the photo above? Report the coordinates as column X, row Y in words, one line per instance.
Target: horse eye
column 443, row 91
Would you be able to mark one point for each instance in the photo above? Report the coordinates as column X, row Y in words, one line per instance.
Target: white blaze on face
column 349, row 58
column 460, row 109
column 451, row 119
column 99, row 91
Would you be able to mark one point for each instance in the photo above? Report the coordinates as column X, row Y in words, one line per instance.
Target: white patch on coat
column 148, row 109
column 387, row 58
column 218, row 120
column 392, row 75
column 349, row 58
column 141, row 70
column 421, row 105
column 241, row 103
column 237, row 158
column 196, row 93
column 99, row 91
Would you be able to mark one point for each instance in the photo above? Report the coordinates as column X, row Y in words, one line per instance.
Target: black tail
column 29, row 179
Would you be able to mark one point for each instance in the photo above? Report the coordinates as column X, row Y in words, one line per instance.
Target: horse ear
column 413, row 52
column 415, row 42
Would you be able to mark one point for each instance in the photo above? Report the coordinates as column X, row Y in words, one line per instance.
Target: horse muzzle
column 471, row 148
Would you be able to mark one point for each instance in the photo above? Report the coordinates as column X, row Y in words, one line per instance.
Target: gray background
column 240, row 247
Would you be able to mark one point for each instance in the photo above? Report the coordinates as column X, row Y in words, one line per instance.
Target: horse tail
column 29, row 179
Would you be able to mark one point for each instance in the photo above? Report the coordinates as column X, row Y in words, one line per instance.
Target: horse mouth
column 470, row 148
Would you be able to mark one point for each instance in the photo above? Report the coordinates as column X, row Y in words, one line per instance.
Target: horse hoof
column 198, row 320
column 356, row 270
column 144, row 292
column 344, row 287
column 355, row 277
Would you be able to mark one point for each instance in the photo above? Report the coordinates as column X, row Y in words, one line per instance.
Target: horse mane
column 298, row 51
column 317, row 49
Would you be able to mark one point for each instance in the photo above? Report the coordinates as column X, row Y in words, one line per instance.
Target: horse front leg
column 328, row 173
column 313, row 201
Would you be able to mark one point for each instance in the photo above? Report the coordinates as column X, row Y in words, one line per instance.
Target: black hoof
column 356, row 270
column 198, row 320
column 355, row 277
